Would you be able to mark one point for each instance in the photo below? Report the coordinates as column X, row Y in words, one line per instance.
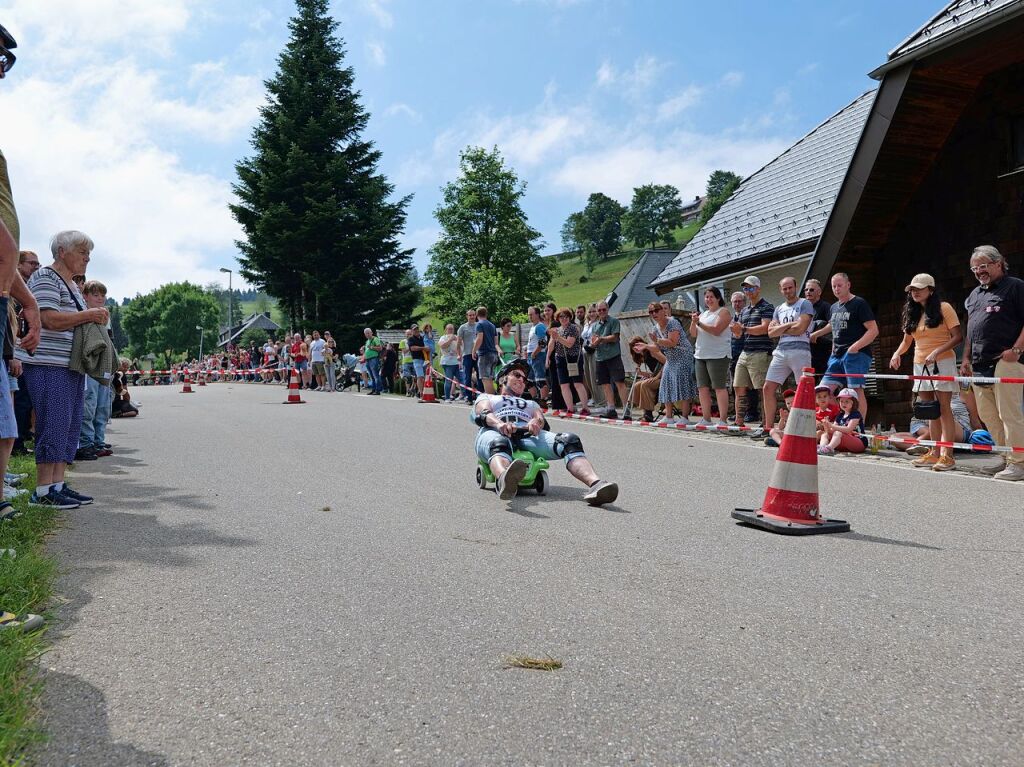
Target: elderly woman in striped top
column 57, row 392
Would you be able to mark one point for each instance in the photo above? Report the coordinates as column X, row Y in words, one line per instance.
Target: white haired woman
column 56, row 391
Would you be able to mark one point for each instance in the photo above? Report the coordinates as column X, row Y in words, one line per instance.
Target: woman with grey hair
column 56, row 391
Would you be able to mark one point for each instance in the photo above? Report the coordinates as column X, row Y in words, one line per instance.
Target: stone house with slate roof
column 936, row 168
column 771, row 223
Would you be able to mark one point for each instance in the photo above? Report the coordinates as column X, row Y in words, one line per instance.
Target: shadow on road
column 79, row 730
column 862, row 538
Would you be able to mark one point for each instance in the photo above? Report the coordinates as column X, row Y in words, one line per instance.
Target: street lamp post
column 231, row 313
column 200, row 329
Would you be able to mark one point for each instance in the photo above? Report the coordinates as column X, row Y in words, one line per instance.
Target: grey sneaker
column 508, row 483
column 601, row 492
column 26, row 622
column 1014, row 472
column 993, row 470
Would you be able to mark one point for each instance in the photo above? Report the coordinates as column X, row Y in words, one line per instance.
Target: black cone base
column 755, row 519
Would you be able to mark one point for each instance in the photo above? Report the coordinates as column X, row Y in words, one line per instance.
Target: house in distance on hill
column 908, row 178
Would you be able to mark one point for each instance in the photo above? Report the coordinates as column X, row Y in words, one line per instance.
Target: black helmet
column 517, row 364
column 7, row 58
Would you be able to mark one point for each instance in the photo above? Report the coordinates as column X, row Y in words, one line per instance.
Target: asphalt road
column 325, row 585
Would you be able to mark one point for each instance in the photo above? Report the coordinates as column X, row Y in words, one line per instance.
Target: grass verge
column 26, row 585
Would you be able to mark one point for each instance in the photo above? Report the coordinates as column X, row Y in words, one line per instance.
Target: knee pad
column 567, row 443
column 502, row 446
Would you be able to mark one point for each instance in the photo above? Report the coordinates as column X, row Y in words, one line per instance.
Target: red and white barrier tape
column 950, row 379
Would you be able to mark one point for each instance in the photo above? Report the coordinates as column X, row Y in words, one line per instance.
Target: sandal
column 7, row 511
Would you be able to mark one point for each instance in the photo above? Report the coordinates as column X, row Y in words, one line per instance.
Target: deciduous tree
column 721, row 185
column 601, row 225
column 487, row 253
column 654, row 213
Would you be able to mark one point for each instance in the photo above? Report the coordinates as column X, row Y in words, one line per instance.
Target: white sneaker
column 10, row 493
column 703, row 422
column 668, row 421
column 1014, row 472
column 590, row 403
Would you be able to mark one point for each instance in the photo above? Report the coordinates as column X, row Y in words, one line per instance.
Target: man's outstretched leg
column 568, row 447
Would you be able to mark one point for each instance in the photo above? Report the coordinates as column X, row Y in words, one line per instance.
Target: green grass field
column 26, row 585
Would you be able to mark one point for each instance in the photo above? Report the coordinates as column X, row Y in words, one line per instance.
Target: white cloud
column 808, row 68
column 684, row 160
column 682, row 101
column 401, row 109
column 379, row 10
column 640, row 76
column 59, row 28
column 376, row 53
column 732, row 79
column 90, row 142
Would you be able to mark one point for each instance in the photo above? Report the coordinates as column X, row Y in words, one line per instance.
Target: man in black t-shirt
column 418, row 352
column 853, row 328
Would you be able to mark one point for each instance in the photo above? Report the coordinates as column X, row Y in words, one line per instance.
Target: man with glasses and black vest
column 993, row 347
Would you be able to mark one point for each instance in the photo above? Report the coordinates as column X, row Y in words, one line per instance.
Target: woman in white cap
column 932, row 326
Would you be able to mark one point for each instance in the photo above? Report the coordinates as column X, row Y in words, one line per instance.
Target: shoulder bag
column 928, row 409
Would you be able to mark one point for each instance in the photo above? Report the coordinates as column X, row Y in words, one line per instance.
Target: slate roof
column 633, row 293
column 783, row 205
column 958, row 19
column 260, row 320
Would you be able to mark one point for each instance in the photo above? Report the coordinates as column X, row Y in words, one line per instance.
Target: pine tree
column 321, row 230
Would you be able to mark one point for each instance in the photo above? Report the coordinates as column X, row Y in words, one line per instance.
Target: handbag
column 928, row 409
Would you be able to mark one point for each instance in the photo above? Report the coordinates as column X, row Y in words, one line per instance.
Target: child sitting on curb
column 825, row 407
column 843, row 433
column 774, row 438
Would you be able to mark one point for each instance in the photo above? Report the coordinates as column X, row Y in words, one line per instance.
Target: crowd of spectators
column 752, row 351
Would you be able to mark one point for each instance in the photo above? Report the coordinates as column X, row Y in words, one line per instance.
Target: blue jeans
column 87, row 431
column 450, row 372
column 95, row 414
column 468, row 366
column 855, row 362
column 373, row 369
column 490, row 442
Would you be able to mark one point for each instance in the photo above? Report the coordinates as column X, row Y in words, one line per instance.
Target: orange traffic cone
column 187, row 387
column 791, row 502
column 427, row 395
column 201, row 375
column 293, row 390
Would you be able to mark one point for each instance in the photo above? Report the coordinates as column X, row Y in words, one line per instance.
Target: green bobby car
column 536, row 476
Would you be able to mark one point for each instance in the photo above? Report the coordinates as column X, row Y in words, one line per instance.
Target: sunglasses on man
column 7, row 58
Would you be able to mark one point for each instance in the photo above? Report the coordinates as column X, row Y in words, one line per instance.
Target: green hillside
column 566, row 288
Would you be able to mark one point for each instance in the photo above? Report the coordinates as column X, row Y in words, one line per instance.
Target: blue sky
column 124, row 118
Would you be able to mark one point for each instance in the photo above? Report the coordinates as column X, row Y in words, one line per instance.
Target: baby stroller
column 348, row 376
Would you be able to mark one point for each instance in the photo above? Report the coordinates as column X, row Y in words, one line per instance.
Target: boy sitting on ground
column 825, row 408
column 774, row 438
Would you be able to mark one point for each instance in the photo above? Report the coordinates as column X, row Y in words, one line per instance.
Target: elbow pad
column 481, row 420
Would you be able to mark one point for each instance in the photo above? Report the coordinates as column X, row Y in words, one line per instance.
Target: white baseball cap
column 753, row 281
